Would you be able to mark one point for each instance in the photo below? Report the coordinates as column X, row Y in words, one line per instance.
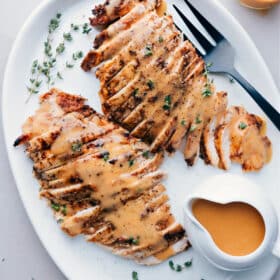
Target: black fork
column 217, row 49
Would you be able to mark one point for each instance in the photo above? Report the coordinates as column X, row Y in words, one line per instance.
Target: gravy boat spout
column 225, row 189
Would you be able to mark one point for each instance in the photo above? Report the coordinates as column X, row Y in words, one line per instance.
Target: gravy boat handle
column 276, row 248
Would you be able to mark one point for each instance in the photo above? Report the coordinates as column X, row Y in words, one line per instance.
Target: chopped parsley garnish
column 198, row 120
column 146, row 154
column 148, row 50
column 151, row 84
column 135, row 275
column 77, row 146
column 130, row 162
column 242, row 125
column 106, row 156
column 160, row 39
column 192, row 128
column 179, row 267
column 167, row 103
column 231, row 80
column 55, row 206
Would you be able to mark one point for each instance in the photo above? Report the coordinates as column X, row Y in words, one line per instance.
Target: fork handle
column 270, row 111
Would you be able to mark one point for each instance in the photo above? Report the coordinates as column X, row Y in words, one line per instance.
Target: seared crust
column 100, row 181
column 114, row 9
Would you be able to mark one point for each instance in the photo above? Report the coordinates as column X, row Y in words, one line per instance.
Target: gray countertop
column 22, row 256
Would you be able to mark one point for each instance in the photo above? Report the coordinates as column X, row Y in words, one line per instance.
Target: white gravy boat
column 225, row 189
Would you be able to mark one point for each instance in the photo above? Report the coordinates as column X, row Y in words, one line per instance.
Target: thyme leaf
column 55, row 206
column 167, row 103
column 151, row 84
column 135, row 275
column 178, row 267
column 68, row 37
column 242, row 125
column 106, row 156
column 148, row 50
column 192, row 128
column 77, row 146
column 207, row 90
column 86, row 28
column 198, row 120
column 146, row 154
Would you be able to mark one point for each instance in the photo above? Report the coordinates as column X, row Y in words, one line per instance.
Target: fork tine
column 200, row 38
column 207, row 25
column 185, row 9
column 179, row 22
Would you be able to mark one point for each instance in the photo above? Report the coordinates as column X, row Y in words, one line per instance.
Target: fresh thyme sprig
column 44, row 71
column 86, row 28
column 207, row 90
column 207, row 67
column 75, row 56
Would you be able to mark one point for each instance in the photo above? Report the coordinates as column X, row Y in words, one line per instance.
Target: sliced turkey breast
column 154, row 84
column 100, row 181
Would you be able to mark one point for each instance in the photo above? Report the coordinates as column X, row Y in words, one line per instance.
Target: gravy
column 259, row 4
column 237, row 228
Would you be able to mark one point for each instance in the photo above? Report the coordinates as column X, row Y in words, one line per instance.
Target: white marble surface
column 22, row 256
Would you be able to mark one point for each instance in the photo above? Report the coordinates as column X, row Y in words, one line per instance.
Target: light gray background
column 22, row 256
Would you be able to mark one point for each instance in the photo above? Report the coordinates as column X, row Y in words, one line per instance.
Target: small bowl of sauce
column 236, row 228
column 231, row 223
